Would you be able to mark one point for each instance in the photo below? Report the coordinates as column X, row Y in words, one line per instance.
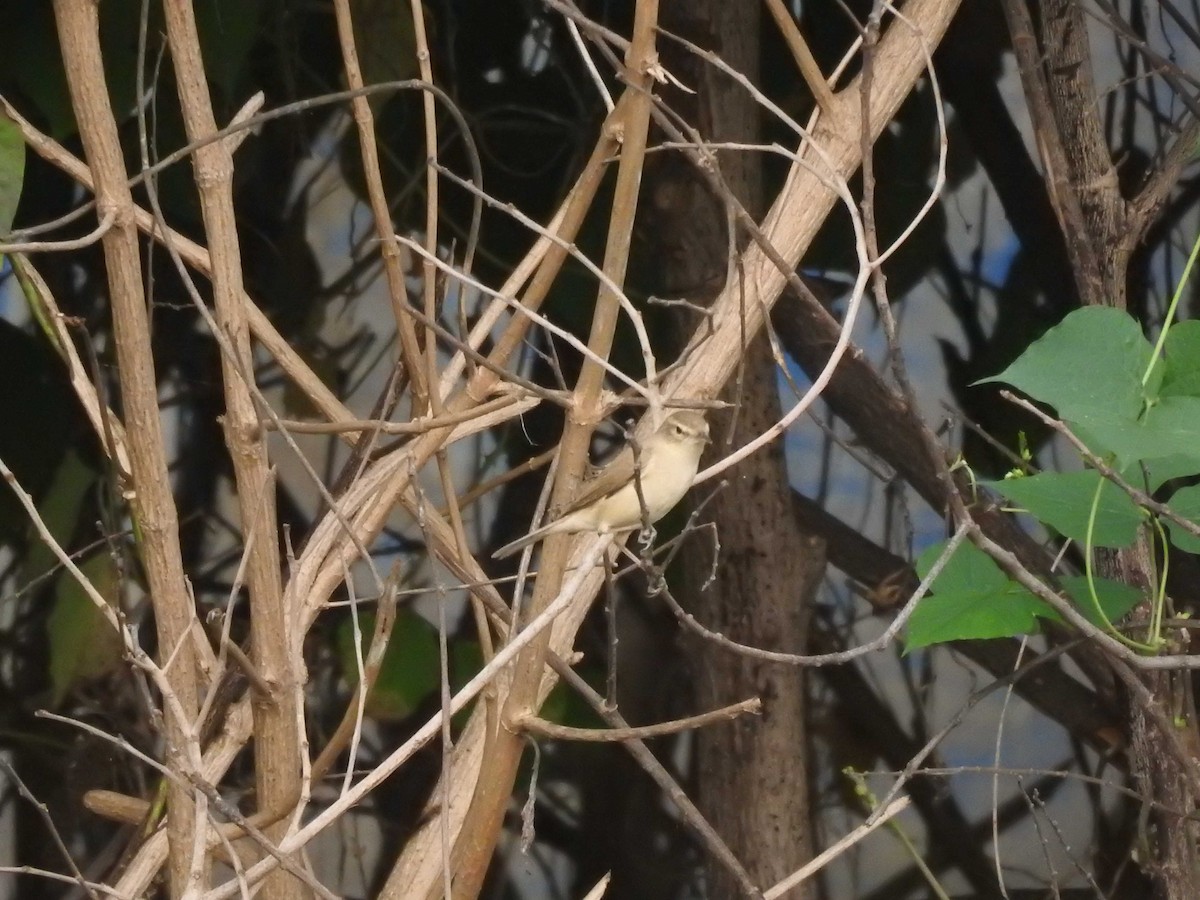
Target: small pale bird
column 609, row 502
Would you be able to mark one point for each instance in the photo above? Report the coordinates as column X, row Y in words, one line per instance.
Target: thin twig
column 542, row 728
column 880, row 817
column 106, row 222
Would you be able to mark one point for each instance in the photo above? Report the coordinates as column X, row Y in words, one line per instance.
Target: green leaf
column 83, row 644
column 1116, row 599
column 409, row 672
column 1185, row 502
column 1170, row 428
column 1063, row 500
column 963, row 616
column 60, row 506
column 1089, row 368
column 1173, row 429
column 1151, row 475
column 32, row 65
column 1181, row 372
column 386, row 41
column 227, row 35
column 12, row 171
column 41, row 413
column 971, row 598
column 968, row 567
column 1088, row 365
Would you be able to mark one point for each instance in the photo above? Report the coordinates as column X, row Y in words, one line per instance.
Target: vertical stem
column 410, row 350
column 152, row 505
column 276, row 725
column 485, row 820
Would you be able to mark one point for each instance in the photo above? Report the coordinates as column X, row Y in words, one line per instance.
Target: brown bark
column 1164, row 741
column 151, row 502
column 276, row 734
column 1056, row 70
column 751, row 774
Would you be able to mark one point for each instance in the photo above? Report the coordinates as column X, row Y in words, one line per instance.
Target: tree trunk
column 751, row 774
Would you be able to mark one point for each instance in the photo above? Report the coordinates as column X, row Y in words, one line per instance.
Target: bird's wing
column 615, row 475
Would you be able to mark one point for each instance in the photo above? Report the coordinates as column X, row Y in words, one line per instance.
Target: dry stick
column 416, row 426
column 288, row 359
column 152, row 504
column 542, row 728
column 823, row 859
column 385, row 617
column 45, row 310
column 805, row 62
column 106, row 222
column 428, row 731
column 364, row 119
column 1018, row 771
column 276, row 729
column 484, row 823
column 44, row 813
column 599, row 889
column 635, row 317
column 471, row 577
column 428, row 276
column 544, row 257
column 590, row 65
column 895, row 356
column 435, row 399
column 841, row 656
column 459, row 550
column 65, row 879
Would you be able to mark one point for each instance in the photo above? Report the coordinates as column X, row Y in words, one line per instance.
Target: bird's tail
column 522, row 542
